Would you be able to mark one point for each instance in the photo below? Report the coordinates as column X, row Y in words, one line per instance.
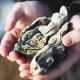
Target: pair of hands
column 23, row 14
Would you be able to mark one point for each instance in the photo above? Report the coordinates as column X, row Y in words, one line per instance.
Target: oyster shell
column 41, row 41
column 29, row 40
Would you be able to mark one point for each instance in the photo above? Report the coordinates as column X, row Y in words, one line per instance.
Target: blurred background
column 8, row 70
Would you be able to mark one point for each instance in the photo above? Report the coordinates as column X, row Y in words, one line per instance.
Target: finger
column 22, row 22
column 24, row 67
column 25, row 74
column 7, row 44
column 21, row 61
column 40, row 77
column 71, row 38
column 10, row 59
column 4, row 51
column 15, row 32
column 75, row 20
column 15, row 14
column 13, row 56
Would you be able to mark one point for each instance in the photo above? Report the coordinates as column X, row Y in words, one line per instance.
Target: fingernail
column 67, row 40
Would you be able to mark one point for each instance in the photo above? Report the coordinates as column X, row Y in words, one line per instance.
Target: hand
column 70, row 40
column 22, row 13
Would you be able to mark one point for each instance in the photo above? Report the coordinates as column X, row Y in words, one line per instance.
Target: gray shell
column 41, row 40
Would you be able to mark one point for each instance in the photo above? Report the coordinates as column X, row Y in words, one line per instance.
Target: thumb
column 12, row 19
column 71, row 38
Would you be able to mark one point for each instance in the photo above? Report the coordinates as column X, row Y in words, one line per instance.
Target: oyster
column 41, row 41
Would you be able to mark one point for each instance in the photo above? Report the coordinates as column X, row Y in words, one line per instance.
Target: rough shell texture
column 30, row 42
column 41, row 40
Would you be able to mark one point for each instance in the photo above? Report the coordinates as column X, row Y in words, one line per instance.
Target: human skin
column 23, row 15
column 70, row 40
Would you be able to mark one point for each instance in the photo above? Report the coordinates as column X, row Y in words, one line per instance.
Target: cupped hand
column 22, row 14
column 70, row 40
